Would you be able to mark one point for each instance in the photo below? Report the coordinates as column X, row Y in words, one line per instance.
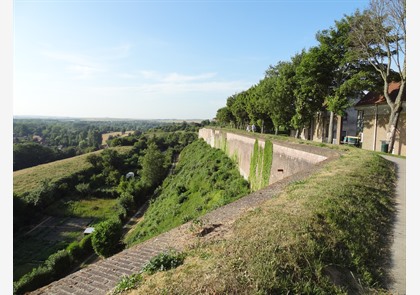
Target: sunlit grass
column 334, row 224
column 29, row 179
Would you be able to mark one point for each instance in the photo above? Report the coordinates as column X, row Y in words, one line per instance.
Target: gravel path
column 398, row 259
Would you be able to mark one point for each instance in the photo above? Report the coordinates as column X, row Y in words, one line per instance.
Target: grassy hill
column 204, row 179
column 29, row 179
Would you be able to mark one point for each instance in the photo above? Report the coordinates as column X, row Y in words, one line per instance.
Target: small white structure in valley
column 89, row 230
column 129, row 175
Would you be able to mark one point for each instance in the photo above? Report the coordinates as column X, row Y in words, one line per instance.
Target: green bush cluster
column 56, row 266
column 106, row 237
column 164, row 261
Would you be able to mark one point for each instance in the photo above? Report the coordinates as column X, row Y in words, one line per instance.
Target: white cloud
column 85, row 66
column 82, row 71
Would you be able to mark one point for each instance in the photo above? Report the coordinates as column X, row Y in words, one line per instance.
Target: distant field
column 106, row 136
column 28, row 179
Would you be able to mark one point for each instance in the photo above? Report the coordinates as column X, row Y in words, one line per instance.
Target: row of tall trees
column 363, row 51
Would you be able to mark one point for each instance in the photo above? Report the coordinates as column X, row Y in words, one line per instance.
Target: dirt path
column 398, row 259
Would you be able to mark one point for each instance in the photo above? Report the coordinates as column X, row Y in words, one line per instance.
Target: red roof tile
column 377, row 98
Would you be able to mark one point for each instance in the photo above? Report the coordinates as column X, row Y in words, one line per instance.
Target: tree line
column 362, row 51
column 40, row 141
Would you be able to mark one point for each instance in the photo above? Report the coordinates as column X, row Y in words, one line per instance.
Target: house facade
column 342, row 126
column 373, row 113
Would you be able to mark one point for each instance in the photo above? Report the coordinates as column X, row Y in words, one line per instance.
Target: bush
column 127, row 202
column 75, row 250
column 127, row 283
column 59, row 262
column 164, row 261
column 37, row 278
column 86, row 244
column 106, row 237
column 55, row 267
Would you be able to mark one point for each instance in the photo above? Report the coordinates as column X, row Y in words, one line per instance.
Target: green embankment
column 333, row 226
column 204, row 179
column 28, row 179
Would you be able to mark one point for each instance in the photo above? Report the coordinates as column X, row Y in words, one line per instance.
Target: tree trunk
column 262, row 126
column 330, row 128
column 392, row 127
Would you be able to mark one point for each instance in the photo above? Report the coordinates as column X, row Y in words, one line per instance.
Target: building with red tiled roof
column 373, row 118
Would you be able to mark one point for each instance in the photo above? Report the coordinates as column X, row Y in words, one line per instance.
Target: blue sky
column 154, row 59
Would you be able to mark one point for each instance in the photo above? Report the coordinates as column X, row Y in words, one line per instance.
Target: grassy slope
column 28, row 179
column 204, row 179
column 29, row 251
column 334, row 225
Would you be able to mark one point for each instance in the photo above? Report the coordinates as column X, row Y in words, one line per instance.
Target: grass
column 98, row 208
column 327, row 234
column 204, row 179
column 28, row 179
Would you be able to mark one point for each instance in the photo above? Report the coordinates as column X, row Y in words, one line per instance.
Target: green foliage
column 32, row 154
column 204, row 179
column 327, row 234
column 153, row 166
column 106, row 237
column 59, row 262
column 164, row 261
column 57, row 265
column 80, row 250
column 126, row 201
column 36, row 278
column 267, row 162
column 127, row 283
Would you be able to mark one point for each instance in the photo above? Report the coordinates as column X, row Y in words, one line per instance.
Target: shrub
column 127, row 202
column 127, row 283
column 75, row 250
column 86, row 244
column 106, row 237
column 164, row 261
column 37, row 278
column 59, row 262
column 56, row 266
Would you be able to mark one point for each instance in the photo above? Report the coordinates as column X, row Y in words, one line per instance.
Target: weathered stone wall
column 287, row 158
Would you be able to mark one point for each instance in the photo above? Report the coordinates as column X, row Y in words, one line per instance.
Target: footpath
column 398, row 260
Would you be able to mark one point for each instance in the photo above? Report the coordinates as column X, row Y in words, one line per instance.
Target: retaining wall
column 287, row 158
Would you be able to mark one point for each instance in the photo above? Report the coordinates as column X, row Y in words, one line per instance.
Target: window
column 359, row 121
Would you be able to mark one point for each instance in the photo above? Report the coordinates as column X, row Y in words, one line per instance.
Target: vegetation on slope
column 204, row 179
column 64, row 197
column 324, row 235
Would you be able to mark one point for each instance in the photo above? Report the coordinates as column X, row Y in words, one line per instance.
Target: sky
column 154, row 59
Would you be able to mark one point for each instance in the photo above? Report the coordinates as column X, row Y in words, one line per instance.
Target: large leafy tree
column 279, row 86
column 378, row 36
column 348, row 77
column 154, row 166
column 313, row 76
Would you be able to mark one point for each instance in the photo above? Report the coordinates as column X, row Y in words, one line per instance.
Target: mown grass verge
column 327, row 234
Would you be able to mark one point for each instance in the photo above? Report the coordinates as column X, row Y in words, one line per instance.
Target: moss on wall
column 260, row 167
column 267, row 161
